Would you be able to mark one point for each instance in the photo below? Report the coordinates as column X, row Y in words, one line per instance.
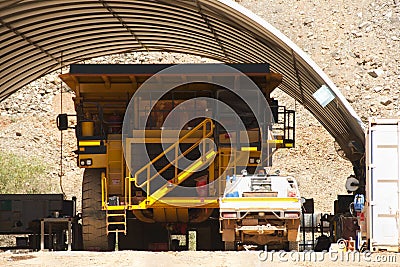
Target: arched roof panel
column 37, row 37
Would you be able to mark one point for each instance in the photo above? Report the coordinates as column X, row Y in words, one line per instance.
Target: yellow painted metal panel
column 183, row 215
column 98, row 160
column 159, row 215
column 246, row 148
column 158, row 140
column 87, row 128
column 275, row 141
column 115, row 165
column 172, row 203
column 89, row 143
column 171, row 215
column 169, row 202
column 120, row 207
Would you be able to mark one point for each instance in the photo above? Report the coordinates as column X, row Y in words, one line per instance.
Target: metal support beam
column 115, row 15
column 210, row 27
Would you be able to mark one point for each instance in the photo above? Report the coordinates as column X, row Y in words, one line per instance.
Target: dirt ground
column 192, row 258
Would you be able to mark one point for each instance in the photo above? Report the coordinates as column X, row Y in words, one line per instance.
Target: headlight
column 86, row 162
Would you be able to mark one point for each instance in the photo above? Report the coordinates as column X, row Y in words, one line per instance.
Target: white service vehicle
column 260, row 210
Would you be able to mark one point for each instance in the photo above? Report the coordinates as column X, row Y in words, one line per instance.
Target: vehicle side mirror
column 62, row 122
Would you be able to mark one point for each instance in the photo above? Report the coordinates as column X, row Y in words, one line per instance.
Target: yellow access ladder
column 116, row 219
column 207, row 128
column 115, row 214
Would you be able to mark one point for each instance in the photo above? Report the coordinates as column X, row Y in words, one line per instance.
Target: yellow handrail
column 146, row 167
column 127, row 191
column 104, row 192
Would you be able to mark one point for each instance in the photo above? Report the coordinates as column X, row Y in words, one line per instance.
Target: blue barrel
column 359, row 202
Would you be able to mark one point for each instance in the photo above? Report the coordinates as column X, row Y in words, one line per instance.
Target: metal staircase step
column 119, row 215
column 206, row 127
column 165, row 189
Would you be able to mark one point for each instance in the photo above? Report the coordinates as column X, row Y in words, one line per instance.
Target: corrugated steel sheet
column 38, row 36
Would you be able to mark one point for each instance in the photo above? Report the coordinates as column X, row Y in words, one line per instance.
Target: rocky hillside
column 357, row 43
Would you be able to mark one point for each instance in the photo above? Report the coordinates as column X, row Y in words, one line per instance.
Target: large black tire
column 94, row 225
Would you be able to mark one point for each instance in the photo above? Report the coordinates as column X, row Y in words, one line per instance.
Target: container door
column 384, row 186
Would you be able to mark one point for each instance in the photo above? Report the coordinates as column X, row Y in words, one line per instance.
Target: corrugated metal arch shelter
column 37, row 37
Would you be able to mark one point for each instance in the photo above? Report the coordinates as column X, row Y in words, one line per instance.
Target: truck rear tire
column 94, row 225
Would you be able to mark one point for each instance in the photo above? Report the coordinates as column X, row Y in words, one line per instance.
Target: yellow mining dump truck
column 157, row 146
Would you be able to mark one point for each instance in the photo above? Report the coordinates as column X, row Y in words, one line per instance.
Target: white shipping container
column 382, row 184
